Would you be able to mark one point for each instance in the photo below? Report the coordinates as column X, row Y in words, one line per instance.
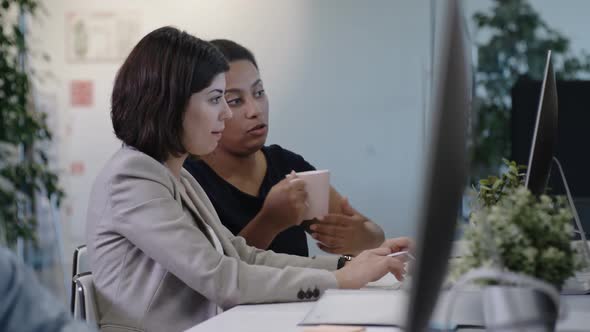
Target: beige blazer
column 154, row 265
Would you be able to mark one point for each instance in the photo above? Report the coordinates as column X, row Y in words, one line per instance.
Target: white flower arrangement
column 515, row 230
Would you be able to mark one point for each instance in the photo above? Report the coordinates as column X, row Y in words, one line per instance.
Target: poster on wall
column 81, row 93
column 77, row 168
column 95, row 37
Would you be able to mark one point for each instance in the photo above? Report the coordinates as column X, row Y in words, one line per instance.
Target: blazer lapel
column 198, row 196
column 186, row 199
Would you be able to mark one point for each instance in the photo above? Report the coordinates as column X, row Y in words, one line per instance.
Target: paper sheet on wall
column 93, row 37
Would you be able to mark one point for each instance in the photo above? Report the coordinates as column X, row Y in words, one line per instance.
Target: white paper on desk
column 388, row 308
column 359, row 307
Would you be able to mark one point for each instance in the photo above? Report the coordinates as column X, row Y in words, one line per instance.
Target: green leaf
column 23, row 127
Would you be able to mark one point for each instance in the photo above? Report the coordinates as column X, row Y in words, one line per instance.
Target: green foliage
column 517, row 45
column 24, row 169
column 522, row 233
column 511, row 228
column 493, row 188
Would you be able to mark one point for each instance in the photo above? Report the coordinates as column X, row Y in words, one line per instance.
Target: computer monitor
column 445, row 170
column 543, row 149
column 545, row 134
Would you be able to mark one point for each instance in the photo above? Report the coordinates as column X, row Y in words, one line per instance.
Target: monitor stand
column 580, row 282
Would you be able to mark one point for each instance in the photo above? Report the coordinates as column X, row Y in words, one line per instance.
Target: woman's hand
column 346, row 233
column 369, row 265
column 285, row 205
column 398, row 244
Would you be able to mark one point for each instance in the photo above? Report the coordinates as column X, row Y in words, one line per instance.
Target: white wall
column 356, row 103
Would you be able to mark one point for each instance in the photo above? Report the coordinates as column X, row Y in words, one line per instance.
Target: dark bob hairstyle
column 153, row 87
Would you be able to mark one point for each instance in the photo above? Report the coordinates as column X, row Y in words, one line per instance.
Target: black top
column 236, row 208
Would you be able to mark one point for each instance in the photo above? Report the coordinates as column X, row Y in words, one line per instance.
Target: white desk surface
column 284, row 317
column 280, row 317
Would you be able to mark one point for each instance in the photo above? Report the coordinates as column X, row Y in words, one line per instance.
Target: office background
column 348, row 82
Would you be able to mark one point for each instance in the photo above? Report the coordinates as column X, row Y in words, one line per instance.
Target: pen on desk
column 404, row 252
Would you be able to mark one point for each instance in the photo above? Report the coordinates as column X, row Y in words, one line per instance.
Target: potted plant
column 512, row 228
column 517, row 234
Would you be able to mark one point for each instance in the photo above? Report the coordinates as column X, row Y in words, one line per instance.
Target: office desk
column 284, row 317
column 280, row 317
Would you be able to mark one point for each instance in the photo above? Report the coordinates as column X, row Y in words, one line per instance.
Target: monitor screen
column 545, row 134
column 445, row 169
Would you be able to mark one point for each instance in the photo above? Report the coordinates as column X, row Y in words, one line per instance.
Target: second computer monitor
column 545, row 134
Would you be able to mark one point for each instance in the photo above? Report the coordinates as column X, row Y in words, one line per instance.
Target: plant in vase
column 512, row 229
column 519, row 246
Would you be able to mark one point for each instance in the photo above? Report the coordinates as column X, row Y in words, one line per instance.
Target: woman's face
column 204, row 118
column 245, row 133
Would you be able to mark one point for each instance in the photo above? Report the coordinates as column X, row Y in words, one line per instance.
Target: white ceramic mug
column 317, row 185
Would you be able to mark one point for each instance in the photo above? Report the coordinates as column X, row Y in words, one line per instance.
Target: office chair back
column 85, row 307
column 80, row 264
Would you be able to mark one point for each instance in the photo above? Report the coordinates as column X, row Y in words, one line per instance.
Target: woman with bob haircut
column 160, row 257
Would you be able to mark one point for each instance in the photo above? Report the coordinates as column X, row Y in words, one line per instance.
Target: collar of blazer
column 189, row 196
column 199, row 199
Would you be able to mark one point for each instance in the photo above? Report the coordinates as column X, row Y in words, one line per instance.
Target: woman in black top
column 247, row 183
